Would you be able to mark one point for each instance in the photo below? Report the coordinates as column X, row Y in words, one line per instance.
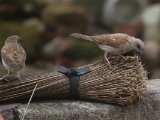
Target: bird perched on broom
column 114, row 44
column 13, row 56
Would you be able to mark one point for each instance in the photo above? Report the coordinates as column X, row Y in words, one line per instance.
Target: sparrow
column 13, row 56
column 114, row 44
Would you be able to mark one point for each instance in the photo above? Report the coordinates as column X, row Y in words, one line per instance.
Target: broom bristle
column 122, row 85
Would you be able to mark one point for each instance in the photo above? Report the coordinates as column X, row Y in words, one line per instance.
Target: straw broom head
column 123, row 85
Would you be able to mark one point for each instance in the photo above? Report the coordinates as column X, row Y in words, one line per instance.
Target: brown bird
column 13, row 56
column 114, row 44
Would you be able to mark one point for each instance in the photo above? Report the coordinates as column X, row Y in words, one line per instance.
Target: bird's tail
column 81, row 36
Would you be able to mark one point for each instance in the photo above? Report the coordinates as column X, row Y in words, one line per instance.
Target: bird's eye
column 138, row 46
column 19, row 41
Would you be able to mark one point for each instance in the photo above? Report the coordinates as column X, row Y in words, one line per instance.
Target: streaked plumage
column 115, row 44
column 13, row 55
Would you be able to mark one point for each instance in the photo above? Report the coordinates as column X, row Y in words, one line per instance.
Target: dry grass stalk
column 25, row 110
column 122, row 86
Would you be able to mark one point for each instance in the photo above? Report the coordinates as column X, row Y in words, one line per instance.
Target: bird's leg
column 20, row 75
column 122, row 57
column 105, row 56
column 5, row 75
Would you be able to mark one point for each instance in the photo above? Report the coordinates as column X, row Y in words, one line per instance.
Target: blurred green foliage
column 83, row 50
column 7, row 29
column 70, row 16
column 39, row 22
column 31, row 36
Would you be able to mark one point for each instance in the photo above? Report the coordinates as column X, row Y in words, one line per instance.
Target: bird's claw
column 8, row 79
column 108, row 63
column 111, row 68
column 22, row 77
column 4, row 79
column 122, row 57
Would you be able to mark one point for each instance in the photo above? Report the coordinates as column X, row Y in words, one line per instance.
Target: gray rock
column 147, row 108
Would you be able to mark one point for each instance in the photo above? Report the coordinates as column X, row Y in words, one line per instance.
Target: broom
column 123, row 85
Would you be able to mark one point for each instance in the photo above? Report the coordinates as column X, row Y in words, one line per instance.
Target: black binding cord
column 74, row 77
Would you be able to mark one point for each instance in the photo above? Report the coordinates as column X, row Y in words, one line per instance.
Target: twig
column 29, row 101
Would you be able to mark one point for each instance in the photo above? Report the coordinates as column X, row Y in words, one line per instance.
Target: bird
column 113, row 44
column 13, row 56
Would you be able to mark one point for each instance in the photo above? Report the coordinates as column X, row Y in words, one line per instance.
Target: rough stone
column 146, row 108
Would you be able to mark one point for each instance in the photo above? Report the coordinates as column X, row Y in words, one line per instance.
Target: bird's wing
column 110, row 40
column 13, row 55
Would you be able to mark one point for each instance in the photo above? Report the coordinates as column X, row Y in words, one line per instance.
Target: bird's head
column 138, row 45
column 14, row 39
